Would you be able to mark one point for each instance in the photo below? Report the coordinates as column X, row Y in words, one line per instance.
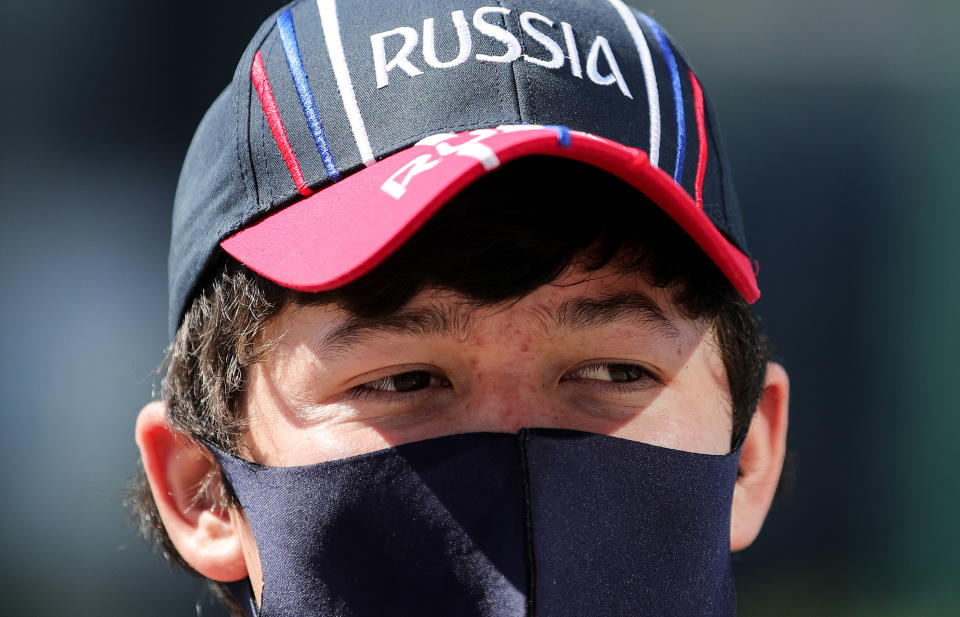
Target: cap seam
column 255, row 203
column 511, row 65
column 245, row 69
column 237, row 133
column 526, row 74
column 399, row 145
column 249, row 147
column 727, row 227
column 263, row 137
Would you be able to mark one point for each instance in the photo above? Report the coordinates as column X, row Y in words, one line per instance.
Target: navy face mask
column 546, row 522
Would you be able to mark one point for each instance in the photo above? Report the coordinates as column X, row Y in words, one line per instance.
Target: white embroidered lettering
column 556, row 52
column 398, row 188
column 600, row 63
column 593, row 72
column 432, row 140
column 496, row 32
column 396, row 185
column 473, row 148
column 572, row 52
column 463, row 36
column 401, row 60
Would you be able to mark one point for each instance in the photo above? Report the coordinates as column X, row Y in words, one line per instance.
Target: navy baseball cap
column 348, row 123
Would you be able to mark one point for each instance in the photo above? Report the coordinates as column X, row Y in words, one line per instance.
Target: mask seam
column 522, row 438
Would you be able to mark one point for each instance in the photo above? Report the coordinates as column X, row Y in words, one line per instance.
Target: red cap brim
column 343, row 231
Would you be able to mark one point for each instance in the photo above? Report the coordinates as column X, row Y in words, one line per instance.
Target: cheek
column 707, row 398
column 705, row 430
column 692, row 414
column 679, row 429
column 280, row 434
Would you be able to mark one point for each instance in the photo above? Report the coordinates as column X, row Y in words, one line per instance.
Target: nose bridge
column 509, row 399
column 508, row 391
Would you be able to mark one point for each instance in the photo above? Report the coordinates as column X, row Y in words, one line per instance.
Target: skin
column 605, row 353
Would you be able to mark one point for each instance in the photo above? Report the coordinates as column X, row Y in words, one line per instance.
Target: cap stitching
column 526, row 75
column 511, row 65
column 500, row 98
column 236, row 140
column 249, row 144
column 664, row 78
column 689, row 118
column 263, row 134
column 400, row 144
column 722, row 214
column 268, row 198
column 244, row 74
column 394, row 148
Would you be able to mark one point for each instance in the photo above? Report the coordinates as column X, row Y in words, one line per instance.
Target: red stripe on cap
column 258, row 74
column 702, row 135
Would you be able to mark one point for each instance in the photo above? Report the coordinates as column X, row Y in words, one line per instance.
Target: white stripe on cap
column 331, row 33
column 649, row 76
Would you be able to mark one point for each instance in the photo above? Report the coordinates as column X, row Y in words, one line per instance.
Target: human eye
column 399, row 385
column 622, row 375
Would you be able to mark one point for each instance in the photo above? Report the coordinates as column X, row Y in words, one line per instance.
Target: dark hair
column 506, row 235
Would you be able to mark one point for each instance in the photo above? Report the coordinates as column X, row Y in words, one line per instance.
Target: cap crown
column 327, row 87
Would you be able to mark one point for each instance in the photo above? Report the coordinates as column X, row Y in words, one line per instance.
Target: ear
column 207, row 537
column 761, row 460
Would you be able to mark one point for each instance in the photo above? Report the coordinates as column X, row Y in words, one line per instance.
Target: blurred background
column 840, row 119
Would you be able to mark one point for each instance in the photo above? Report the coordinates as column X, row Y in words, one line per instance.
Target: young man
column 459, row 307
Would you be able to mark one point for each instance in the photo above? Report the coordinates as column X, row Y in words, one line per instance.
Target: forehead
column 577, row 302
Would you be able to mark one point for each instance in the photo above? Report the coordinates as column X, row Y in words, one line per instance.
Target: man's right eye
column 409, row 381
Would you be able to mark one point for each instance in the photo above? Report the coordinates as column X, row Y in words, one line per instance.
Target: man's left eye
column 617, row 373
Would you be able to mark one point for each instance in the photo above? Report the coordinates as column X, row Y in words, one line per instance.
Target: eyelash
column 359, row 393
column 598, row 367
column 644, row 380
column 367, row 391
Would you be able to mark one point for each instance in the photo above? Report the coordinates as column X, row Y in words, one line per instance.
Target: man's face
column 603, row 352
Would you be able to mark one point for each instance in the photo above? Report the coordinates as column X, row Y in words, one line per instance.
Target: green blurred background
column 841, row 122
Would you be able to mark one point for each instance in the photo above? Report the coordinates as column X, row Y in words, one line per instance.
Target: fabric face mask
column 545, row 522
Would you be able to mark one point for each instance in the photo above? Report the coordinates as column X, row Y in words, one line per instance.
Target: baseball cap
column 348, row 123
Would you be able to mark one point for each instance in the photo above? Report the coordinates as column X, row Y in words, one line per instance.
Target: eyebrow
column 584, row 313
column 457, row 321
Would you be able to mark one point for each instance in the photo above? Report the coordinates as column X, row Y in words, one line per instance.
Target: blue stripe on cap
column 677, row 96
column 563, row 134
column 292, row 50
